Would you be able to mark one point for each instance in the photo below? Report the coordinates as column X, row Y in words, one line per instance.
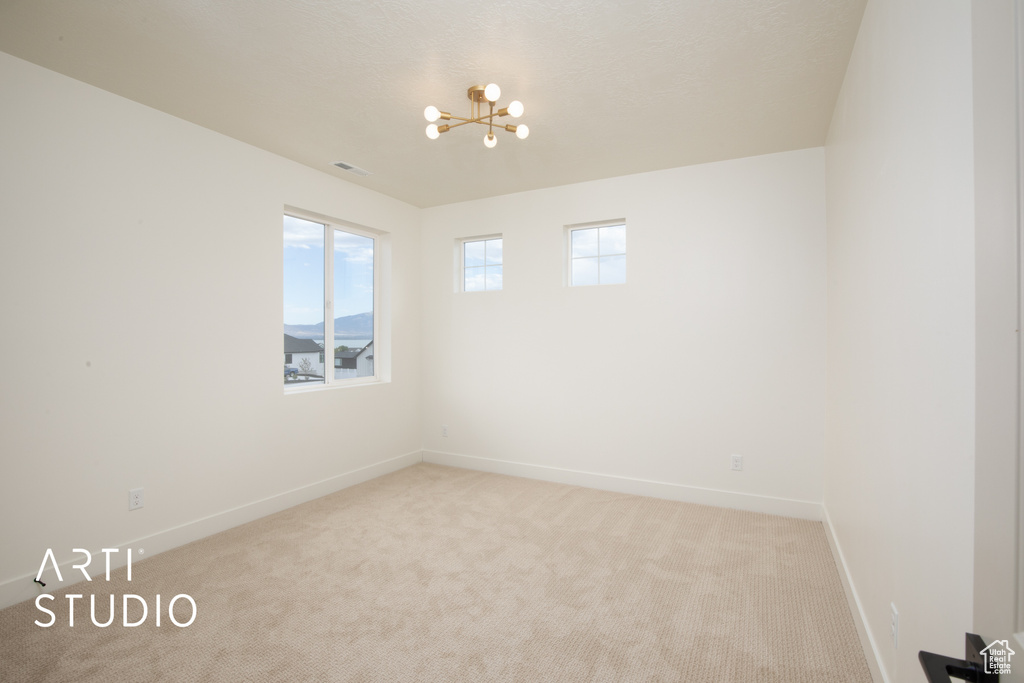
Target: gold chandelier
column 478, row 94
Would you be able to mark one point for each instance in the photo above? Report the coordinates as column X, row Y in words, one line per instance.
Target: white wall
column 714, row 346
column 898, row 470
column 133, row 246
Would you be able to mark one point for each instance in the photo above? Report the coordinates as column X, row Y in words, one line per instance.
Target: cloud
column 348, row 247
column 352, row 248
column 613, row 240
column 303, row 234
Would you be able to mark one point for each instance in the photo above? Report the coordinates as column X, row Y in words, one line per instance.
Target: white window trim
column 381, row 302
column 570, row 229
column 460, row 262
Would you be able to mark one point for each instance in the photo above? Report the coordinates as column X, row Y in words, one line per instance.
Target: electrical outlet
column 134, row 499
column 444, row 430
column 737, row 463
column 894, row 625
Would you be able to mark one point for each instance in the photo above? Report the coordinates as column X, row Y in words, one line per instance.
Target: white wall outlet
column 134, row 499
column 894, row 625
column 444, row 430
column 736, row 463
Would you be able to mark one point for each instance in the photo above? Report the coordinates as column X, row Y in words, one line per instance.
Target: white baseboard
column 785, row 507
column 22, row 588
column 867, row 639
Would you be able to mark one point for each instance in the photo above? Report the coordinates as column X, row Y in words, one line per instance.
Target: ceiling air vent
column 352, row 169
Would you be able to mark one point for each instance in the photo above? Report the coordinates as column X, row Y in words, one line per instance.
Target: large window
column 597, row 254
column 329, row 303
column 481, row 264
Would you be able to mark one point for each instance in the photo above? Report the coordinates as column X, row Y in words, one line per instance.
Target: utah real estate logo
column 997, row 657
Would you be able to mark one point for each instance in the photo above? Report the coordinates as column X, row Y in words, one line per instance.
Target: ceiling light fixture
column 478, row 94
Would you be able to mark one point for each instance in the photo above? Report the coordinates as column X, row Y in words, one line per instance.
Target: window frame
column 460, row 260
column 381, row 298
column 570, row 229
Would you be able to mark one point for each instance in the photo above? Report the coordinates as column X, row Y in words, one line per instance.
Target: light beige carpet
column 440, row 574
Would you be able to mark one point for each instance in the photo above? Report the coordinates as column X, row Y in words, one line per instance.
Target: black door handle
column 942, row 669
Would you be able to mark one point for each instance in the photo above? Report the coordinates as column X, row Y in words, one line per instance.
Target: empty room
column 671, row 341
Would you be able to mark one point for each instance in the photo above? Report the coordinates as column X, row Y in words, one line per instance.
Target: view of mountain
column 359, row 326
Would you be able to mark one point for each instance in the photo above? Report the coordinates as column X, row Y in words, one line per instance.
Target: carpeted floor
column 440, row 574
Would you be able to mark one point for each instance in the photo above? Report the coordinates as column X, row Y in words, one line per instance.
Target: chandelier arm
column 464, row 122
column 484, row 120
column 476, row 119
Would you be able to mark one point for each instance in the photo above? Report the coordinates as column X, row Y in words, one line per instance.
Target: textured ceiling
column 610, row 88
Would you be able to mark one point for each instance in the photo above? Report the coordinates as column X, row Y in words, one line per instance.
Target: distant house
column 345, row 363
column 364, row 361
column 298, row 350
column 346, row 359
column 354, row 363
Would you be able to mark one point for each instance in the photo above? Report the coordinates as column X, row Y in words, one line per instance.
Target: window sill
column 290, row 390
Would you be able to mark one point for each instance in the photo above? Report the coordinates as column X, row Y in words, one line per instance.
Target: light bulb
column 432, row 132
column 431, row 113
column 492, row 92
column 515, row 110
column 522, row 131
column 490, row 140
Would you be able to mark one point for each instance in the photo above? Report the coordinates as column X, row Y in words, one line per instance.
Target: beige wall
column 996, row 92
column 134, row 248
column 714, row 346
column 899, row 467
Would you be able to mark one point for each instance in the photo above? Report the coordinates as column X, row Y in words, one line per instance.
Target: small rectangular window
column 597, row 255
column 482, row 264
